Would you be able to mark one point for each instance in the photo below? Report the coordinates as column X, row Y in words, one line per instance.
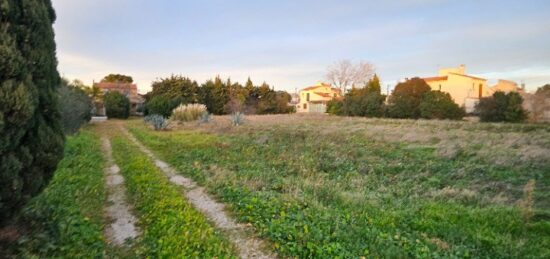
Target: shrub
column 440, row 105
column 334, row 107
column 237, row 118
column 501, row 107
column 31, row 137
column 404, row 102
column 205, row 117
column 116, row 105
column 162, row 105
column 188, row 112
column 158, row 121
column 76, row 107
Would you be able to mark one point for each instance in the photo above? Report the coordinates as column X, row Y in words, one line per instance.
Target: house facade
column 314, row 99
column 466, row 90
column 127, row 89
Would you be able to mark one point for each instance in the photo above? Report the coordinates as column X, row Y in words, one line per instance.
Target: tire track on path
column 122, row 223
column 239, row 234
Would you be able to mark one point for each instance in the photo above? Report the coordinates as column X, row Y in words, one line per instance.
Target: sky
column 289, row 44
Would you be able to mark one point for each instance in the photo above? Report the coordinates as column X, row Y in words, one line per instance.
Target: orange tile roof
column 435, row 78
column 473, row 77
column 317, row 86
column 108, row 85
column 323, row 94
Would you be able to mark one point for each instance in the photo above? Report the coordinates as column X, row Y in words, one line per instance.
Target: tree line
column 414, row 99
column 219, row 96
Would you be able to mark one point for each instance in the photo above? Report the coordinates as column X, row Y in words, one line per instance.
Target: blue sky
column 289, row 44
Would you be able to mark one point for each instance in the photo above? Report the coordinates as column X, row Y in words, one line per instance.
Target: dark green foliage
column 31, row 138
column 501, row 107
column 66, row 220
column 440, row 105
column 366, row 101
column 162, row 105
column 117, row 78
column 215, row 94
column 334, row 107
column 116, row 105
column 75, row 107
column 182, row 88
column 404, row 102
column 219, row 96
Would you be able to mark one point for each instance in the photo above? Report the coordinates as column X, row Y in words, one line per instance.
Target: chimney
column 462, row 69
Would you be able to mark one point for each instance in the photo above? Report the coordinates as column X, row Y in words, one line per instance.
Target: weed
column 157, row 121
column 237, row 118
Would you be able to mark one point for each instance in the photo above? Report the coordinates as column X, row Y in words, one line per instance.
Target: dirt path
column 239, row 234
column 122, row 226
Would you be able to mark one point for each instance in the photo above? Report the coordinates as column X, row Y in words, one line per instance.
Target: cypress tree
column 31, row 137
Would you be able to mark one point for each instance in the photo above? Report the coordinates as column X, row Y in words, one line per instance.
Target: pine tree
column 31, row 138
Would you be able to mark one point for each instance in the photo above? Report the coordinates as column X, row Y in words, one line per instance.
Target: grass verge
column 171, row 226
column 66, row 219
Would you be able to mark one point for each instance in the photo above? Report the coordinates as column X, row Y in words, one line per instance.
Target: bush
column 501, row 107
column 162, row 105
column 334, row 107
column 76, row 107
column 31, row 137
column 188, row 112
column 440, row 105
column 157, row 121
column 404, row 102
column 116, row 105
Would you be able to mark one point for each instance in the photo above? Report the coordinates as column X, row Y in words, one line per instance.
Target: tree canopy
column 117, row 78
column 404, row 102
column 31, row 137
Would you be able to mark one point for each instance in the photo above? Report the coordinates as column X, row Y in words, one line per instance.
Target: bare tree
column 343, row 74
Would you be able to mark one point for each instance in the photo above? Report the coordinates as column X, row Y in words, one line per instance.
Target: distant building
column 507, row 86
column 314, row 99
column 465, row 90
column 127, row 89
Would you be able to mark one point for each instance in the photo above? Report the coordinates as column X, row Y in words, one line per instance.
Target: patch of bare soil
column 122, row 227
column 239, row 234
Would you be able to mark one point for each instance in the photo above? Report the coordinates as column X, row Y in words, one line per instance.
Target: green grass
column 171, row 227
column 344, row 194
column 66, row 219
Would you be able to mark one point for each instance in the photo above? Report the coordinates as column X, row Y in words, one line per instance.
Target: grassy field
column 320, row 186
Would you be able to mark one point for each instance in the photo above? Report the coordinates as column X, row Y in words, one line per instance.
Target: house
column 507, row 86
column 314, row 99
column 466, row 90
column 127, row 89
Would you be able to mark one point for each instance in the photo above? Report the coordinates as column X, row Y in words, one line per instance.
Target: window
column 439, row 87
column 305, row 106
column 307, row 98
column 334, row 95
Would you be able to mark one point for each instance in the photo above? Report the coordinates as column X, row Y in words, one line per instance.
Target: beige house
column 314, row 99
column 466, row 90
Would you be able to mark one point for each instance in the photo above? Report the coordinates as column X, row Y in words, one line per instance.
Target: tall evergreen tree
column 31, row 138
